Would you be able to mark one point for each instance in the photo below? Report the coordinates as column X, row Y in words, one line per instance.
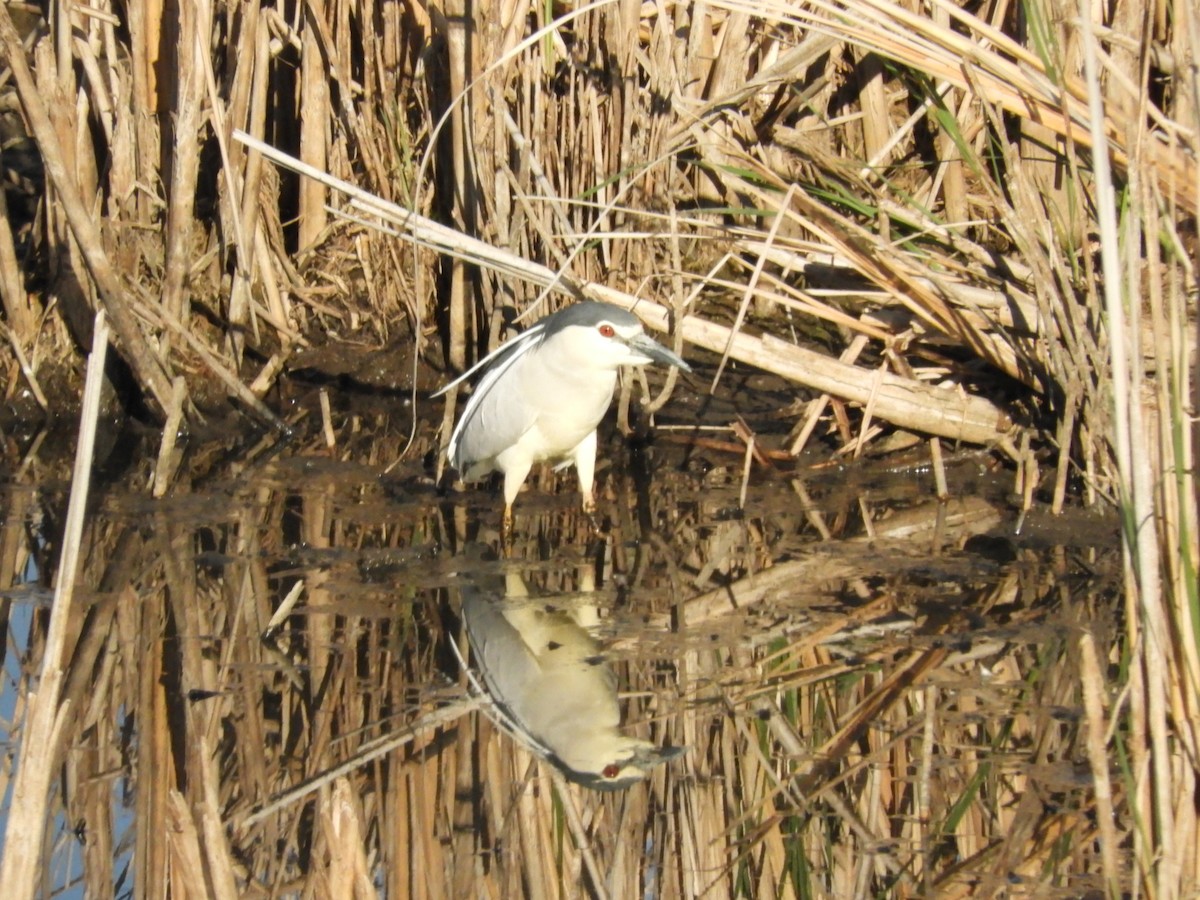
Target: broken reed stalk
column 366, row 753
column 1092, row 680
column 22, row 358
column 47, row 718
column 578, row 832
column 164, row 466
column 345, row 838
column 183, row 842
column 188, row 84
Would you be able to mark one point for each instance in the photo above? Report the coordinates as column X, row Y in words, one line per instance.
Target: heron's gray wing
column 511, row 673
column 502, row 652
column 494, row 418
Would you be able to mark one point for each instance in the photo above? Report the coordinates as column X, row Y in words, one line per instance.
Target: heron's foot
column 589, row 510
column 506, row 532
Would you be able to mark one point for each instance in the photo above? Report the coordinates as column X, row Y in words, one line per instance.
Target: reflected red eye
column 612, row 770
column 607, row 330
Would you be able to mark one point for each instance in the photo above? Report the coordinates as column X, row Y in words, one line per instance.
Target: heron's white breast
column 569, row 402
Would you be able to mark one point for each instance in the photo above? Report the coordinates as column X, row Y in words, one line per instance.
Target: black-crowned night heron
column 553, row 690
column 544, row 393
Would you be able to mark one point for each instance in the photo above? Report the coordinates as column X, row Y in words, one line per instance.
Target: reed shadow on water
column 874, row 688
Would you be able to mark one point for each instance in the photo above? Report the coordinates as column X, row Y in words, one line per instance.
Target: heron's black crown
column 587, row 314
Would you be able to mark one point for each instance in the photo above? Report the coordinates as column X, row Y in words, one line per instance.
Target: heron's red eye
column 612, row 770
column 607, row 330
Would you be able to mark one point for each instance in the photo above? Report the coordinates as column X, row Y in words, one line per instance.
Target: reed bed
column 969, row 225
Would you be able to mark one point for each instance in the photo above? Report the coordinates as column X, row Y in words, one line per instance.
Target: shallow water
column 878, row 691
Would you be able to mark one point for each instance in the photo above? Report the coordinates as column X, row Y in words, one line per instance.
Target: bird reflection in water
column 551, row 686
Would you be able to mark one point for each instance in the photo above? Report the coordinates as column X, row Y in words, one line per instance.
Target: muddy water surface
column 836, row 684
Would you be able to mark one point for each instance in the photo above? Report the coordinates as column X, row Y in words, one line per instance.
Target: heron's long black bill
column 656, row 352
column 650, row 757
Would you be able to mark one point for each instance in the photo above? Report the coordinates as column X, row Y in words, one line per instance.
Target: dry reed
column 974, row 223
